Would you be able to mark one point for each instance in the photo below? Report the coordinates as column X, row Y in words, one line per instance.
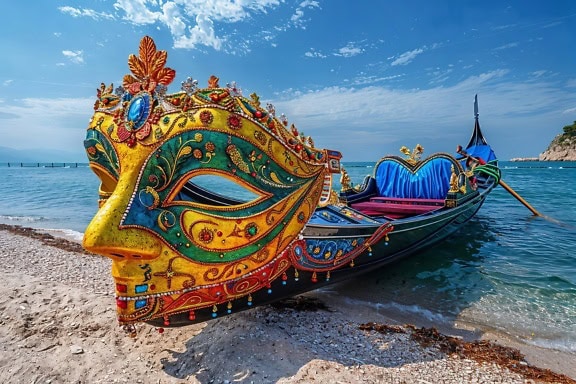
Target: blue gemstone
column 139, row 303
column 138, row 110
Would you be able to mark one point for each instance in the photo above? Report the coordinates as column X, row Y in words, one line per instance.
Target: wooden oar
column 503, row 184
column 518, row 197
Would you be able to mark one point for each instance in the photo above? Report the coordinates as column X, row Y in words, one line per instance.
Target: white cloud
column 297, row 18
column 48, row 123
column 373, row 119
column 7, row 82
column 192, row 22
column 76, row 57
column 363, row 80
column 407, row 57
column 506, row 46
column 202, row 33
column 440, row 75
column 313, row 53
column 349, row 50
column 137, row 12
column 504, row 27
column 199, row 23
column 539, row 73
column 78, row 12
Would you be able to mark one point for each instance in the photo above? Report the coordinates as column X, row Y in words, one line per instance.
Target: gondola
column 185, row 252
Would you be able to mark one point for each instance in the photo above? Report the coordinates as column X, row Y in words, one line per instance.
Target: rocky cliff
column 562, row 148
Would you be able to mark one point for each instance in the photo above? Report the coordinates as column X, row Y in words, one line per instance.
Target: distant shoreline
column 41, row 164
column 524, row 159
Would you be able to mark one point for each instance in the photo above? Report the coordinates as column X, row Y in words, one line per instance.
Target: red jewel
column 298, row 147
column 160, row 330
column 253, row 174
column 258, row 114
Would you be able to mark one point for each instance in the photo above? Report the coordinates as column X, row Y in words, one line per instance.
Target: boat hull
column 408, row 237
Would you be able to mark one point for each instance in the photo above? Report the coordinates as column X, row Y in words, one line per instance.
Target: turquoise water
column 51, row 198
column 506, row 269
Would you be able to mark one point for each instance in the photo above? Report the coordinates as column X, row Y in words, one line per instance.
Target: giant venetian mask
column 177, row 248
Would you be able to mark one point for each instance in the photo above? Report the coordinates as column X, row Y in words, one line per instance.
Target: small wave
column 68, row 234
column 414, row 310
column 565, row 344
column 392, row 308
column 25, row 219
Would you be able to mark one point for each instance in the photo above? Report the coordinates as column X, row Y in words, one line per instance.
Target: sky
column 363, row 77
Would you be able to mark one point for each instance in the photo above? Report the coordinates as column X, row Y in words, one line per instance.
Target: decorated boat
column 185, row 249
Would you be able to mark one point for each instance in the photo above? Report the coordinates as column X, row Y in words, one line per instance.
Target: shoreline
column 559, row 361
column 58, row 299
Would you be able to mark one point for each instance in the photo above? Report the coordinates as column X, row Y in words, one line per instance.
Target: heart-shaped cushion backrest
column 427, row 179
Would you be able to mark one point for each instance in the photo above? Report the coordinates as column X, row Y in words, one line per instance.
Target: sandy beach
column 58, row 325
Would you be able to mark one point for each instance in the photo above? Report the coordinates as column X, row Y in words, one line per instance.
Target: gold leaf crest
column 149, row 67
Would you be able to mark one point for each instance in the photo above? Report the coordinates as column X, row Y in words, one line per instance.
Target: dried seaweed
column 45, row 238
column 481, row 351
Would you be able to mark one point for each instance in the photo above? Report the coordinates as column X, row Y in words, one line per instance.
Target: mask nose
column 104, row 236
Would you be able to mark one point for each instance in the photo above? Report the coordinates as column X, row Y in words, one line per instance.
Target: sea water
column 506, row 270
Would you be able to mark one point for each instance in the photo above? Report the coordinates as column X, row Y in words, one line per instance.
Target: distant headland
column 562, row 147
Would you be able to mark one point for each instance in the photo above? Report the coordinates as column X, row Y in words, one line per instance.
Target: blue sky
column 362, row 77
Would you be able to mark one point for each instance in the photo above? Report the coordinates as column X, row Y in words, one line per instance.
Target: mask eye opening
column 215, row 191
